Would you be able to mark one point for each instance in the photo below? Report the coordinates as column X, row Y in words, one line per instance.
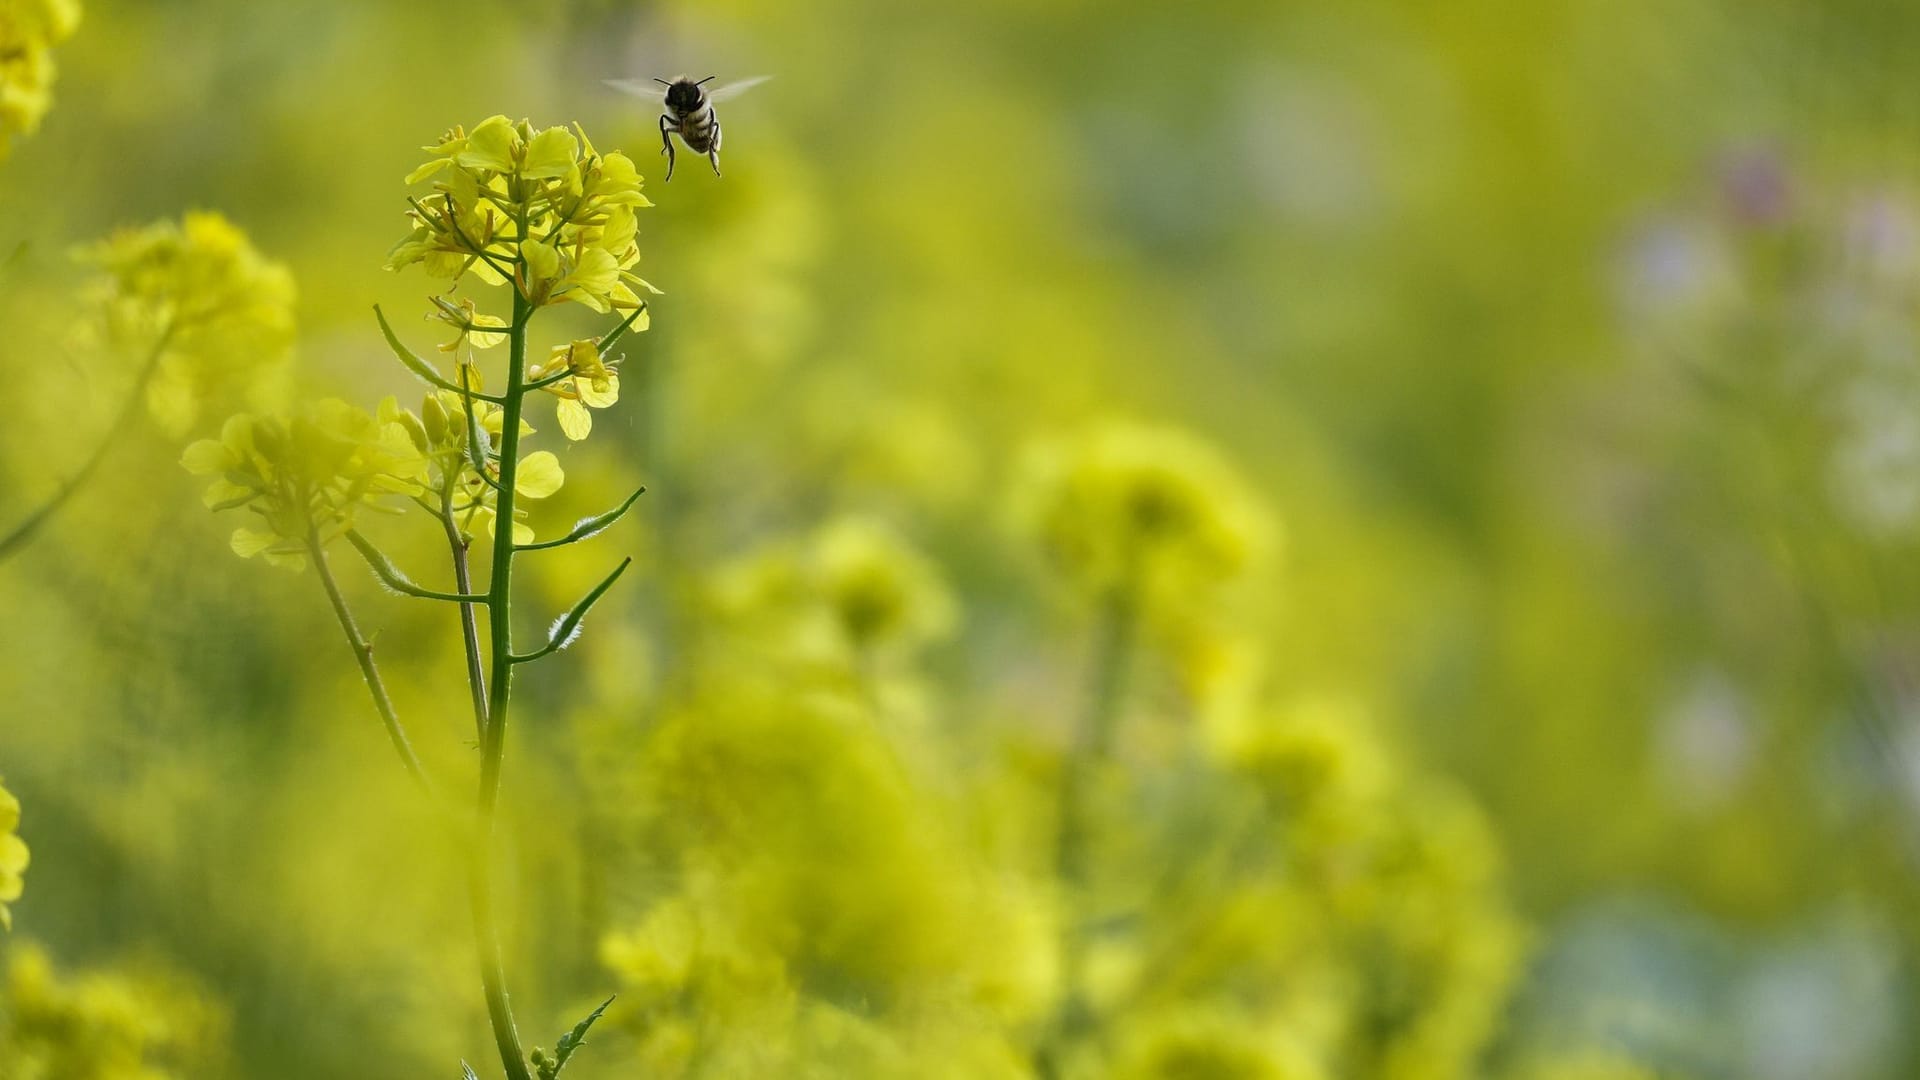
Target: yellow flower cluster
column 217, row 314
column 1141, row 508
column 306, row 474
column 852, row 589
column 104, row 1026
column 1387, row 873
column 825, row 921
column 13, row 856
column 540, row 207
column 29, row 29
column 1213, row 1043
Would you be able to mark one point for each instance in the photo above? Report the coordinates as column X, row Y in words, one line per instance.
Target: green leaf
column 591, row 526
column 571, row 1041
column 567, row 627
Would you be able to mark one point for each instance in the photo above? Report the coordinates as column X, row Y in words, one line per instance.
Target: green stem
column 493, row 737
column 1092, row 743
column 370, row 672
column 458, row 544
column 21, row 533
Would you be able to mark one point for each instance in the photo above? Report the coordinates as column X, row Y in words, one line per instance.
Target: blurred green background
column 1571, row 348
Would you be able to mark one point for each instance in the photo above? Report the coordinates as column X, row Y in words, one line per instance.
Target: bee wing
column 735, row 89
column 640, row 88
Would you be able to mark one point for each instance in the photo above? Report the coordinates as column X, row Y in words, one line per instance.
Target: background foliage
column 1556, row 364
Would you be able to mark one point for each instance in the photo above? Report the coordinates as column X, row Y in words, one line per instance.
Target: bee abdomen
column 700, row 130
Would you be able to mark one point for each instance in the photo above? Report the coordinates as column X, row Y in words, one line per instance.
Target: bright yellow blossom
column 305, row 475
column 28, row 31
column 476, row 329
column 13, row 856
column 540, row 206
column 592, row 384
column 219, row 314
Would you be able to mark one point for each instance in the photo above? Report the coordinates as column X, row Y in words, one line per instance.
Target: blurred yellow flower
column 304, row 474
column 853, row 588
column 1199, row 1044
column 1143, row 508
column 219, row 314
column 541, row 207
column 13, row 856
column 151, row 1025
column 28, row 31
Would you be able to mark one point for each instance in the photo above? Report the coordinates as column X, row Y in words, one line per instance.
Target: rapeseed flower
column 541, row 207
column 1145, row 509
column 150, row 1025
column 217, row 314
column 591, row 382
column 13, row 856
column 852, row 589
column 305, row 475
column 29, row 29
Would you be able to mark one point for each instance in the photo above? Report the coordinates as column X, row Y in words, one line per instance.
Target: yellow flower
column 151, row 1024
column 538, row 476
column 306, row 474
column 854, row 587
column 28, row 31
column 475, row 329
column 592, row 384
column 1210, row 1043
column 221, row 312
column 881, row 591
column 540, row 206
column 13, row 856
column 1143, row 508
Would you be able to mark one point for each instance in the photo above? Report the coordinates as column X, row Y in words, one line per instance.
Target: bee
column 687, row 111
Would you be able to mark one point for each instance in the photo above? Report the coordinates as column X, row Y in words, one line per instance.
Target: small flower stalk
column 544, row 216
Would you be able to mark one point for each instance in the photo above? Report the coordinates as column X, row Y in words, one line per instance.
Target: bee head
column 684, row 94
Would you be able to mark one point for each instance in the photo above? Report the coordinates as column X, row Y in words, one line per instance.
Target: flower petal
column 539, row 475
column 575, row 420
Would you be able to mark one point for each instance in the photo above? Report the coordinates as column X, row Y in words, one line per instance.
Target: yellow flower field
column 1137, row 541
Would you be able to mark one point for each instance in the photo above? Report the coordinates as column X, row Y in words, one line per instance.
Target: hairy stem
column 369, row 671
column 17, row 537
column 494, row 737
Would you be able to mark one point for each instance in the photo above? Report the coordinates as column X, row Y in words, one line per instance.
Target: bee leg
column 666, row 145
column 713, row 156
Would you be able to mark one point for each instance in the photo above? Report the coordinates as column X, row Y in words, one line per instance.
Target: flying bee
column 687, row 111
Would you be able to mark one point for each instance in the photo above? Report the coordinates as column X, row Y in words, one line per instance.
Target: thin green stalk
column 21, row 533
column 493, row 738
column 1092, row 743
column 458, row 544
column 370, row 672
